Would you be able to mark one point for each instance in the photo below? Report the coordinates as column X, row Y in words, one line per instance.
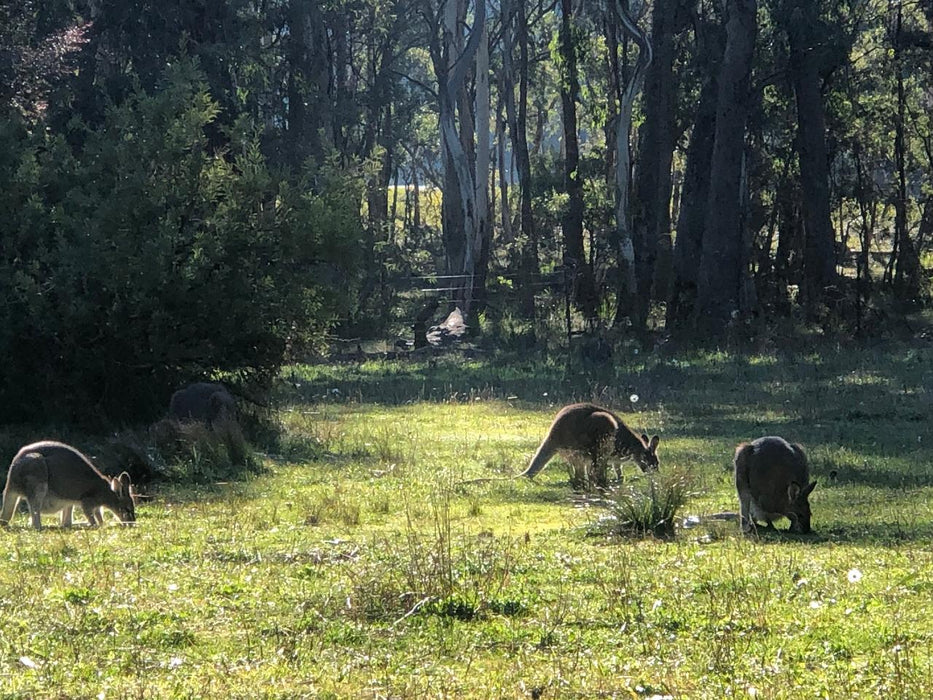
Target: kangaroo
column 596, row 434
column 53, row 477
column 202, row 402
column 771, row 477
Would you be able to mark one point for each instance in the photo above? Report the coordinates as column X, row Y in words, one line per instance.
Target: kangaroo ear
column 807, row 491
column 644, row 438
column 793, row 491
column 125, row 479
column 653, row 445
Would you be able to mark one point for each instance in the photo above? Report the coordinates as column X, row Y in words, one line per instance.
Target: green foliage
column 141, row 258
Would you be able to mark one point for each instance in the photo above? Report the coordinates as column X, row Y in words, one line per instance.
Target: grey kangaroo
column 53, row 477
column 772, row 477
column 596, row 434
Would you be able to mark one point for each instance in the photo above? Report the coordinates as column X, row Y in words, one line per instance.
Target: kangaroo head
column 798, row 509
column 126, row 498
column 647, row 457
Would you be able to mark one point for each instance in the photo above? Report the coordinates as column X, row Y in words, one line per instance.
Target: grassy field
column 360, row 565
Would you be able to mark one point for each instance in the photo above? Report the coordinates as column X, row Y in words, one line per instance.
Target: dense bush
column 133, row 258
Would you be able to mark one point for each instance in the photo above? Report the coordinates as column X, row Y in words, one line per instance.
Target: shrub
column 139, row 258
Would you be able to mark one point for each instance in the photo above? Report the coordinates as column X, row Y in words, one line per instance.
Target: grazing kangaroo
column 53, row 477
column 597, row 435
column 771, row 477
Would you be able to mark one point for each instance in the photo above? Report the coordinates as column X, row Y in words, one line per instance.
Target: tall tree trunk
column 518, row 129
column 627, row 305
column 461, row 221
column 477, row 263
column 907, row 263
column 651, row 219
column 694, row 197
column 307, row 83
column 718, row 288
column 804, row 35
column 572, row 220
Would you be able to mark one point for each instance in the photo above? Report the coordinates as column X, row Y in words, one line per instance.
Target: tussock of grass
column 647, row 506
column 200, row 453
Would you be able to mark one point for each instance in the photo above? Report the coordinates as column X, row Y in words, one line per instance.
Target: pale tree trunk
column 627, row 299
column 462, row 234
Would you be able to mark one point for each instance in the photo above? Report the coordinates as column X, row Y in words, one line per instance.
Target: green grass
column 362, row 562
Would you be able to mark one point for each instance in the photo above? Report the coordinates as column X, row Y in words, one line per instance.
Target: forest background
column 201, row 187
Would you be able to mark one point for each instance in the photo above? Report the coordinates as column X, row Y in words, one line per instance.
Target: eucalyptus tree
column 628, row 305
column 454, row 45
column 721, row 261
column 574, row 253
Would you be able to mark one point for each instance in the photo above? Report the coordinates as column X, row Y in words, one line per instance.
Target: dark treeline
column 208, row 186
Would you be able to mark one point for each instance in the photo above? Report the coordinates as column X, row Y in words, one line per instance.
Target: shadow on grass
column 891, row 533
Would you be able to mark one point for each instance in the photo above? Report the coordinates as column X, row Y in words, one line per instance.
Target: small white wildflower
column 801, row 582
column 27, row 662
column 752, row 691
column 657, row 604
column 815, row 604
column 172, row 587
column 854, row 575
column 633, row 398
column 175, row 662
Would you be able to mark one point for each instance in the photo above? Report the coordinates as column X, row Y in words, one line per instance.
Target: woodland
column 206, row 188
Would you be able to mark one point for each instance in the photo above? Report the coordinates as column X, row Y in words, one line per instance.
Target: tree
column 720, row 276
column 651, row 217
column 694, row 200
column 584, row 289
column 628, row 304
column 464, row 226
column 808, row 38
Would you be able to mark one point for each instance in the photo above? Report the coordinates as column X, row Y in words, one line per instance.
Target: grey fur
column 202, row 402
column 772, row 478
column 53, row 477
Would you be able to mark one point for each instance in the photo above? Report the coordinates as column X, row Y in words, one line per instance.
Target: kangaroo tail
column 542, row 456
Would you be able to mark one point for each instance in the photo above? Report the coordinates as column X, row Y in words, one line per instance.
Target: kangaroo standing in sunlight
column 53, row 477
column 589, row 436
column 771, row 477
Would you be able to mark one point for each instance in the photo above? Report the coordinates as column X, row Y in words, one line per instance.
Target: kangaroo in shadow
column 589, row 437
column 202, row 402
column 772, row 478
column 53, row 477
